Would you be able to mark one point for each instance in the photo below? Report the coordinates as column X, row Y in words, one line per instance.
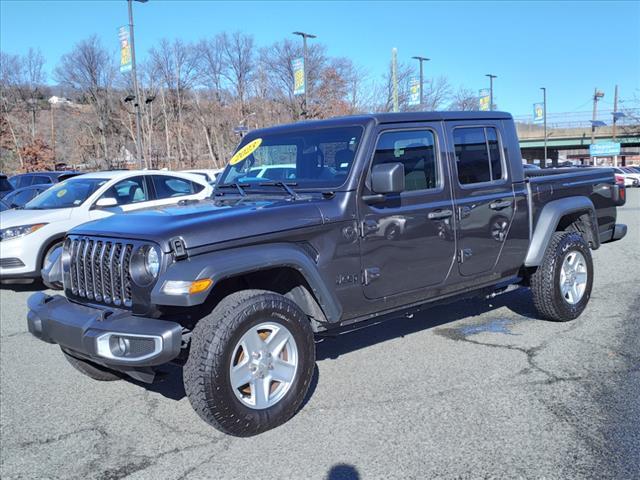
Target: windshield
column 67, row 194
column 315, row 158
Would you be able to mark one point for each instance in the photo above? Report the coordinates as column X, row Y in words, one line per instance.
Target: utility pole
column 615, row 119
column 597, row 95
column 304, row 57
column 134, row 77
column 394, row 78
column 53, row 133
column 421, row 60
column 491, row 77
column 544, row 105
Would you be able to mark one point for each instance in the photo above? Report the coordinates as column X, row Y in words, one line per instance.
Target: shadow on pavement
column 343, row 471
column 22, row 285
column 518, row 301
column 170, row 384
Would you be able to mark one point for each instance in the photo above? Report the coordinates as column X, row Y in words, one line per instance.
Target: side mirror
column 387, row 178
column 106, row 202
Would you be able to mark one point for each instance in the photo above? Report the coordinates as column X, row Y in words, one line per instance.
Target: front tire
column 561, row 285
column 251, row 363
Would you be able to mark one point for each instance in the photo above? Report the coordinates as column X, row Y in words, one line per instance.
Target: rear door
column 407, row 240
column 484, row 198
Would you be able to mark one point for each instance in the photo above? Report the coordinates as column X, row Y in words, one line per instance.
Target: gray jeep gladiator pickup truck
column 321, row 226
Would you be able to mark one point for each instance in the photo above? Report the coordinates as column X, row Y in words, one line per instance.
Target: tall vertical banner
column 414, row 91
column 538, row 112
column 298, row 76
column 125, row 49
column 484, row 99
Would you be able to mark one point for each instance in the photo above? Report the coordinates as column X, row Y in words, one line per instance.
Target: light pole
column 491, row 77
column 135, row 83
column 421, row 60
column 304, row 56
column 544, row 105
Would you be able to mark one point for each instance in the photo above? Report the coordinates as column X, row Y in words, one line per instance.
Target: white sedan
column 29, row 236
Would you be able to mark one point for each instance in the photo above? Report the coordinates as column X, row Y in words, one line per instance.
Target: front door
column 484, row 196
column 407, row 240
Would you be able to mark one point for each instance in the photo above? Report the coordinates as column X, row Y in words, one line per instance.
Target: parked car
column 272, row 172
column 20, row 196
column 387, row 213
column 631, row 172
column 5, row 186
column 530, row 166
column 41, row 178
column 29, row 236
column 210, row 174
column 631, row 179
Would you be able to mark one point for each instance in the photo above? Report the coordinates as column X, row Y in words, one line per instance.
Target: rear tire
column 228, row 378
column 92, row 370
column 561, row 285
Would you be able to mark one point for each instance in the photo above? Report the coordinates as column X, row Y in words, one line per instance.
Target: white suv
column 28, row 236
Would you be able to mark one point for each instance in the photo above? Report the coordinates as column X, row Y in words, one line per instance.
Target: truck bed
column 596, row 183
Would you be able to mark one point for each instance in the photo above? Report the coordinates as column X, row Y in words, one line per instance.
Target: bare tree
column 89, row 69
column 464, row 99
column 176, row 65
column 437, row 93
column 239, row 64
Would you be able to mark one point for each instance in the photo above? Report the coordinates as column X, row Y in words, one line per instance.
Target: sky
column 568, row 47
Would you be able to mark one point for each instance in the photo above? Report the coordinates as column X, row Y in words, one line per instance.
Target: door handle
column 499, row 205
column 439, row 214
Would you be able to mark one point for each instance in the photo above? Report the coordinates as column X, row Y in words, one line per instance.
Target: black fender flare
column 223, row 264
column 548, row 222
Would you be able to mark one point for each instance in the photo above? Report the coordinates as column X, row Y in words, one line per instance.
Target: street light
column 421, row 60
column 135, row 82
column 491, row 77
column 304, row 56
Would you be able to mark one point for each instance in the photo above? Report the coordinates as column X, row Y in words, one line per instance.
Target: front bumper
column 18, row 261
column 113, row 338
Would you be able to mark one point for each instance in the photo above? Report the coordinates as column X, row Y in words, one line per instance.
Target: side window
column 167, row 186
column 477, row 155
column 131, row 190
column 415, row 149
column 21, row 181
column 40, row 179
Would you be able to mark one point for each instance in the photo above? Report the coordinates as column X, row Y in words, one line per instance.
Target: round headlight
column 152, row 262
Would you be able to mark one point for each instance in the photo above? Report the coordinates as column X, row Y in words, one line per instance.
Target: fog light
column 128, row 347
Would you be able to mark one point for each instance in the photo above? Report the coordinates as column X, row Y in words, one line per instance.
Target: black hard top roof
column 381, row 118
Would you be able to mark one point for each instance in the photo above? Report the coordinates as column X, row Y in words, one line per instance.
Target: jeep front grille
column 98, row 269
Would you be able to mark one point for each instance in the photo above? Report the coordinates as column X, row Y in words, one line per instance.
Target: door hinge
column 370, row 274
column 464, row 253
column 368, row 227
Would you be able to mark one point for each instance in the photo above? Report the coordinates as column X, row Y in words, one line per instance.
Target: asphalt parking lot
column 476, row 389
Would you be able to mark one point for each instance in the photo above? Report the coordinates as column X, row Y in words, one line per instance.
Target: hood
column 14, row 218
column 207, row 222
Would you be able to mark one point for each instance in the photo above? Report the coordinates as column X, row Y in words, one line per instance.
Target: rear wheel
column 91, row 370
column 561, row 285
column 251, row 362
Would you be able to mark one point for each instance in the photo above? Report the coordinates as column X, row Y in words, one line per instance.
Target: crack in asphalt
column 62, row 436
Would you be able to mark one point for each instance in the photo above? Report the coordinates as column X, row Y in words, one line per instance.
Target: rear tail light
column 619, row 180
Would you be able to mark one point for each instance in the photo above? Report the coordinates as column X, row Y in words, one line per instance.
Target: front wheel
column 561, row 285
column 251, row 363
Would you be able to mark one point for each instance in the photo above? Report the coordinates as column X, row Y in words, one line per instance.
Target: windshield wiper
column 284, row 185
column 239, row 186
